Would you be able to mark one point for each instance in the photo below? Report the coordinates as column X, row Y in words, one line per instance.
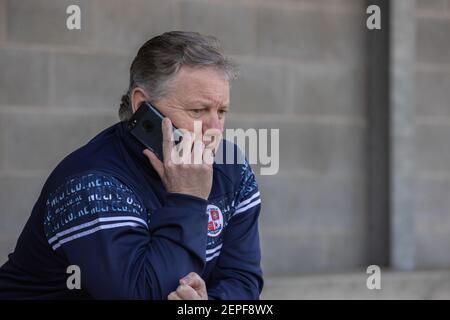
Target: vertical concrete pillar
column 402, row 129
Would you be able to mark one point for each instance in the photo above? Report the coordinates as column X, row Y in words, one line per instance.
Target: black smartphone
column 146, row 126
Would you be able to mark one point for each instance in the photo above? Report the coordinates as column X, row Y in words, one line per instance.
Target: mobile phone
column 146, row 126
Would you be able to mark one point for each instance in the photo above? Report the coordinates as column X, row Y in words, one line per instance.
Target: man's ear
column 137, row 97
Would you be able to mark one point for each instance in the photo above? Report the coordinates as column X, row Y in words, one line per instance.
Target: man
column 136, row 227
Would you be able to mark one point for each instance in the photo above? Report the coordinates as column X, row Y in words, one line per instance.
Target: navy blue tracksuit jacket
column 105, row 210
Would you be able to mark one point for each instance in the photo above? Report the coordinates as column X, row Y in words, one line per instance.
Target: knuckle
column 180, row 290
column 193, row 276
column 187, row 166
column 169, row 165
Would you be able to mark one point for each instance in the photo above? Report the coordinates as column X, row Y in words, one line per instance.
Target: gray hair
column 160, row 58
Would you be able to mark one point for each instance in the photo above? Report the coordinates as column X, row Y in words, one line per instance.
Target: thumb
column 155, row 162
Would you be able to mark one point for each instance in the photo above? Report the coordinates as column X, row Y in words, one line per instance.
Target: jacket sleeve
column 98, row 223
column 238, row 275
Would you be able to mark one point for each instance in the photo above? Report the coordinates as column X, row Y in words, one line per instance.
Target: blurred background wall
column 308, row 67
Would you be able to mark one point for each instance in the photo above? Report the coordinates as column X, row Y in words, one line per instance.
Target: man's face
column 198, row 95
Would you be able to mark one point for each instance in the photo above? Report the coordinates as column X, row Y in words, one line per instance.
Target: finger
column 181, row 153
column 185, row 292
column 208, row 155
column 187, row 143
column 197, row 283
column 167, row 139
column 197, row 152
column 173, row 296
column 155, row 162
column 193, row 280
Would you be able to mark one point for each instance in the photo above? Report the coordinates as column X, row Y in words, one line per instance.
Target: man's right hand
column 186, row 177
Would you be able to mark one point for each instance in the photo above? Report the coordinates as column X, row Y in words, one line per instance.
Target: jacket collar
column 135, row 149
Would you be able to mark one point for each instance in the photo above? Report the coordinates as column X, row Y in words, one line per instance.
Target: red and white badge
column 215, row 221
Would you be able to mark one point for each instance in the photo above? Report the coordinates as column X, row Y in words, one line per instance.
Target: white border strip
column 254, row 203
column 213, row 256
column 214, row 249
column 90, row 223
column 243, row 203
column 93, row 230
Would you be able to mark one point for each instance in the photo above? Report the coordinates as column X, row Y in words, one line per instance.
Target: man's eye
column 197, row 112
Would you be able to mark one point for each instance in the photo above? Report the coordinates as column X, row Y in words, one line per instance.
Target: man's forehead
column 202, row 78
column 202, row 86
column 199, row 101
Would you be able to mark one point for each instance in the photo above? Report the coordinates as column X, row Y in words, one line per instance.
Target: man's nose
column 212, row 122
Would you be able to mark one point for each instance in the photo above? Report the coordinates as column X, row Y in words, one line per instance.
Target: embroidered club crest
column 215, row 220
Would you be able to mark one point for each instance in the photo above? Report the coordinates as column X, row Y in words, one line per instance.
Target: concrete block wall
column 433, row 129
column 303, row 71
